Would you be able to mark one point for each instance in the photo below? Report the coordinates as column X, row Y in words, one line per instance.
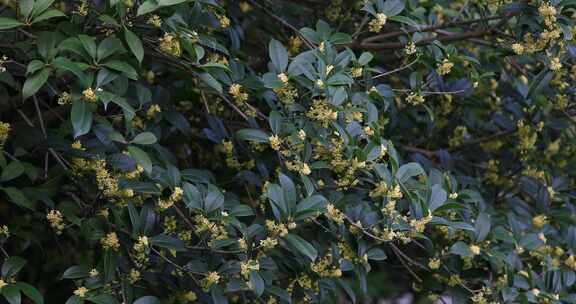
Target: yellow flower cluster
column 458, row 137
column 571, row 262
column 410, row 48
column 322, row 113
column 324, row 267
column 140, row 250
column 4, row 132
column 268, row 243
column 110, row 241
column 294, row 45
column 420, row 224
column 526, row 135
column 287, row 93
column 155, row 21
column 88, row 95
column 548, row 12
column 81, row 292
column 275, row 142
column 56, row 221
column 334, row 214
column 299, row 167
column 375, row 25
column 231, row 159
column 170, row 45
column 414, row 99
column 152, row 111
column 211, row 278
column 224, row 21
column 240, row 98
column 434, row 263
column 176, row 196
column 4, row 231
column 445, row 67
column 383, row 189
column 106, row 181
column 276, row 230
column 539, row 221
column 216, row 231
column 248, row 266
column 134, row 276
column 83, row 8
column 64, row 98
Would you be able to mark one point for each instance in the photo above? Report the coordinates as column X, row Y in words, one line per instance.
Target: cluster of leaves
column 173, row 151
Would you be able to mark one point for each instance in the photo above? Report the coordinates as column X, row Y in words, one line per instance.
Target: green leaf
column 34, row 83
column 76, row 272
column 257, row 283
column 211, row 82
column 147, row 300
column 170, row 2
column 89, row 45
column 17, row 197
column 141, row 158
column 461, row 249
column 108, row 47
column 49, row 14
column 408, row 170
column 438, row 197
column 310, row 206
column 278, row 55
column 12, row 266
column 123, row 67
column 26, row 7
column 214, row 199
column 482, row 226
column 256, row 135
column 40, row 6
column 66, row 64
column 169, row 242
column 393, row 7
column 302, row 246
column 34, row 66
column 12, row 171
column 8, row 23
column 365, row 58
column 81, row 118
column 147, row 7
column 134, row 44
column 103, row 299
column 144, row 138
column 12, row 294
column 31, row 292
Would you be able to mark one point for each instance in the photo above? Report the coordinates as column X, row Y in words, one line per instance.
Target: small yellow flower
column 434, row 263
column 152, row 111
column 155, row 21
column 445, row 67
column 224, row 21
column 376, row 24
column 2, row 284
column 475, row 249
column 211, row 279
column 94, row 273
column 301, row 134
column 81, row 292
column 88, row 95
column 283, row 78
column 110, row 241
column 518, row 48
column 539, row 221
column 64, row 99
column 275, row 142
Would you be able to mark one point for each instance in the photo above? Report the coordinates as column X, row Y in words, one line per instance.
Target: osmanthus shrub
column 180, row 151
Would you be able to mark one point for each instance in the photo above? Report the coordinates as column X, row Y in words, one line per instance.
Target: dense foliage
column 268, row 151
